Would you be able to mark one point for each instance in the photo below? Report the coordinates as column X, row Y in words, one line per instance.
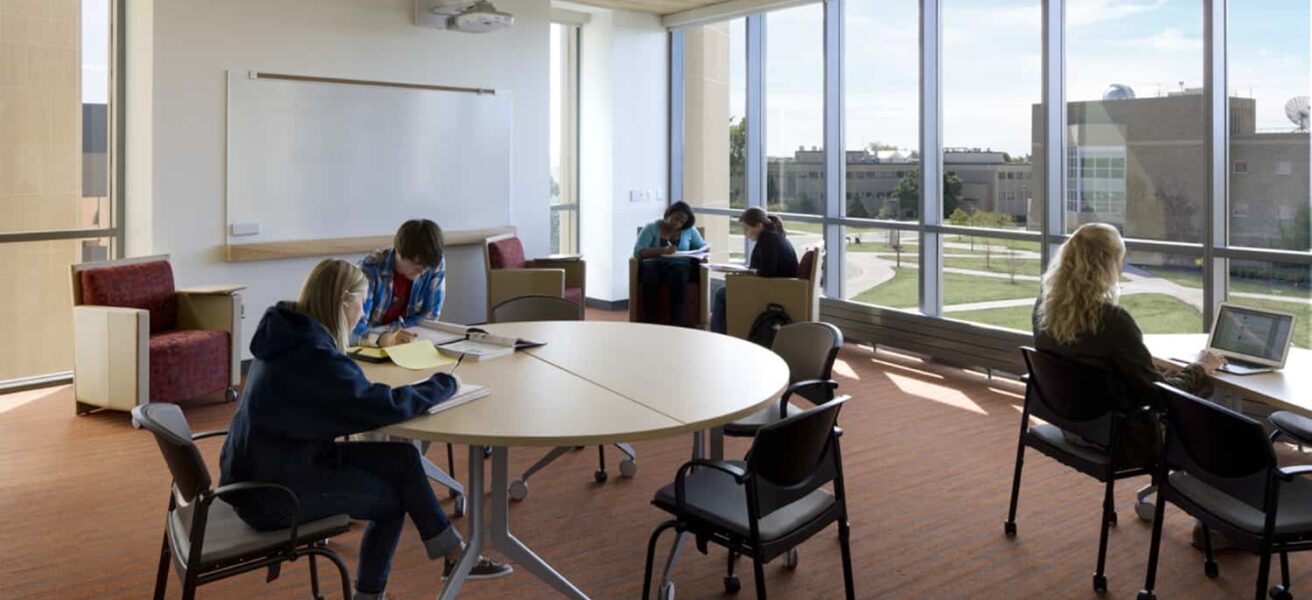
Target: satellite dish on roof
column 1297, row 111
column 1118, row 91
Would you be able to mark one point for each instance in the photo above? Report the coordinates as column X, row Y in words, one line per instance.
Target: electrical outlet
column 635, row 195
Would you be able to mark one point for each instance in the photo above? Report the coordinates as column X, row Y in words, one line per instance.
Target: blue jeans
column 671, row 274
column 379, row 482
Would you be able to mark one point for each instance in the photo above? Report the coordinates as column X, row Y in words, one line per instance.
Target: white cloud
column 1166, row 40
column 1088, row 12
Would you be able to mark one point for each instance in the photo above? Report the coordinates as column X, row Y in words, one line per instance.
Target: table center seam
column 608, row 388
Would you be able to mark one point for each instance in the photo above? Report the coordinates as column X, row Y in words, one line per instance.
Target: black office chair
column 551, row 308
column 1084, row 401
column 809, row 348
column 1236, row 488
column 766, row 506
column 204, row 537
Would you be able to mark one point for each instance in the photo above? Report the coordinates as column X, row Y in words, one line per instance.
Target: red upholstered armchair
column 696, row 303
column 137, row 339
column 510, row 275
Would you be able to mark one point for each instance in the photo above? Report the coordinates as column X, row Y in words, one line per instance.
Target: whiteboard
column 313, row 160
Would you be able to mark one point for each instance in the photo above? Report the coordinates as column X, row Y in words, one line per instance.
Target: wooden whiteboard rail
column 393, row 84
column 347, row 245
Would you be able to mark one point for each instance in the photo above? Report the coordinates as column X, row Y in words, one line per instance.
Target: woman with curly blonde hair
column 1078, row 317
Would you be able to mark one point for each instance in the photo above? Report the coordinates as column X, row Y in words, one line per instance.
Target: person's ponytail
column 777, row 225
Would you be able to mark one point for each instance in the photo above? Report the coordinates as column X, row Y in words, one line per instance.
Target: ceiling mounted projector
column 469, row 17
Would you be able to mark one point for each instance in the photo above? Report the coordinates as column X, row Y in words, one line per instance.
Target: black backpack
column 767, row 324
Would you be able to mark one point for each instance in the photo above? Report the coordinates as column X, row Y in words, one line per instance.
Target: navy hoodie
column 301, row 394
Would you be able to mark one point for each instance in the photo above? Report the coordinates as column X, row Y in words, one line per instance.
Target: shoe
column 486, row 568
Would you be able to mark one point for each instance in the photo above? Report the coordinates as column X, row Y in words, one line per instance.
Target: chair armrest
column 111, row 356
column 1292, row 425
column 1289, row 473
column 215, row 311
column 680, row 502
column 803, row 385
column 208, row 434
column 576, row 270
column 243, row 486
column 214, row 289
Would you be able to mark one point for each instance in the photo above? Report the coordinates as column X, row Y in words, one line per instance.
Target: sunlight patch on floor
column 842, row 369
column 942, row 394
column 9, row 402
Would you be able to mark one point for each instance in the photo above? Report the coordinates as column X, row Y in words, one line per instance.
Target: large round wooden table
column 592, row 383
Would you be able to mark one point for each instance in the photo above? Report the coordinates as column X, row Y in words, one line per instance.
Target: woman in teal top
column 656, row 242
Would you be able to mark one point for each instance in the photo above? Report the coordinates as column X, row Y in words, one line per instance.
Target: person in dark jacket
column 301, row 394
column 1077, row 317
column 772, row 256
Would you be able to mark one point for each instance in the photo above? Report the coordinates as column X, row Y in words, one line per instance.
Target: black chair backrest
column 809, row 348
column 1217, row 446
column 536, row 308
column 166, row 422
column 1076, row 398
column 795, row 456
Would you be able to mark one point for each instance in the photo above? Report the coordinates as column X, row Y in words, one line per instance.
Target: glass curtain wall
column 56, row 190
column 564, row 138
column 1138, row 130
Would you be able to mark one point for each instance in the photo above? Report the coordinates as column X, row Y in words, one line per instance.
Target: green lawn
column 1155, row 313
column 1012, row 244
column 1193, row 278
column 996, row 264
column 903, row 291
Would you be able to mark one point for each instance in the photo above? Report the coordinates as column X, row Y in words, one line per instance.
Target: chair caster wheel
column 666, row 591
column 790, row 559
column 1211, row 569
column 518, row 490
column 459, row 510
column 1280, row 593
column 628, row 468
column 230, row 394
column 1146, row 595
column 1111, row 518
column 1100, row 583
column 1009, row 528
column 732, row 585
column 1145, row 510
column 600, row 476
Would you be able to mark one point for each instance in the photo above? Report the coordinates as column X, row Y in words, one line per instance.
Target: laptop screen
column 1252, row 332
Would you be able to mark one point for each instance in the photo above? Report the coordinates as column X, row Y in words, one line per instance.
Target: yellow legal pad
column 419, row 355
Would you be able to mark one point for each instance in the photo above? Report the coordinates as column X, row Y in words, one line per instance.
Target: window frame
column 1215, row 248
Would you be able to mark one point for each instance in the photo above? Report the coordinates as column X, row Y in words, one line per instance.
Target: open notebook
column 467, row 393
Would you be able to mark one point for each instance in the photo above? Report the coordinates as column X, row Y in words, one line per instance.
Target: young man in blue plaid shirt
column 406, row 285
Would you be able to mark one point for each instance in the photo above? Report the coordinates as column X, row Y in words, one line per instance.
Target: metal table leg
column 505, row 543
column 477, row 530
column 436, row 473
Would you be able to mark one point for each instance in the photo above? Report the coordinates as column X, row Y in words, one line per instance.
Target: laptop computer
column 1252, row 340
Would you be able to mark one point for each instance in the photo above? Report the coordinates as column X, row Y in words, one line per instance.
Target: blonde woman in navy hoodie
column 301, row 395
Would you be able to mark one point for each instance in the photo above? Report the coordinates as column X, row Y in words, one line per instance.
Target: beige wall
column 40, row 180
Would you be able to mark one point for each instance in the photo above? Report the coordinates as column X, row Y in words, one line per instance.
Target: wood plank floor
column 928, row 455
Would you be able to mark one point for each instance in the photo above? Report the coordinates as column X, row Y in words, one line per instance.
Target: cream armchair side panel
column 748, row 295
column 504, row 284
column 222, row 311
column 576, row 271
column 111, row 357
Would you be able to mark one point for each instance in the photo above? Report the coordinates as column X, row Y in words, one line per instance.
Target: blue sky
column 992, row 64
column 95, row 51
